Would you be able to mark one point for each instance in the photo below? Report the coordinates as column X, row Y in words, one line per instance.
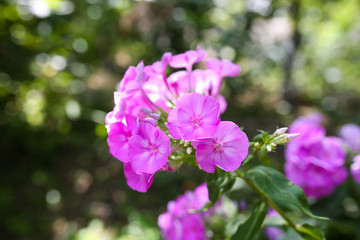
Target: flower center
column 218, row 146
column 196, row 121
column 153, row 149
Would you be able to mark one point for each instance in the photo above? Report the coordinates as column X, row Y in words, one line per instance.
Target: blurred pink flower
column 313, row 161
column 355, row 169
column 350, row 133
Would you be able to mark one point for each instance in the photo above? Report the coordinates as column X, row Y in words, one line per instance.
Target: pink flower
column 149, row 150
column 224, row 68
column 187, row 59
column 178, row 223
column 350, row 133
column 206, row 82
column 138, row 182
column 355, row 169
column 313, row 161
column 309, row 127
column 118, row 137
column 133, row 80
column 195, row 116
column 226, row 149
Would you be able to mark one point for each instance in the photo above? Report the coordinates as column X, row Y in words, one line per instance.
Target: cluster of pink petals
column 183, row 221
column 146, row 92
column 313, row 161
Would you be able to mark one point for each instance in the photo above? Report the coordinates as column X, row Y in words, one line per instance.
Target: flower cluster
column 183, row 219
column 156, row 117
column 313, row 161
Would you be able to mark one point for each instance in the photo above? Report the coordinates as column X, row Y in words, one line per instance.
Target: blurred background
column 60, row 62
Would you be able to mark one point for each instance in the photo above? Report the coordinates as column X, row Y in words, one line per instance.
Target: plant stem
column 266, row 199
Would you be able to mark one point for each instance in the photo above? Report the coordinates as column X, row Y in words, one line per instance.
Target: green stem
column 266, row 199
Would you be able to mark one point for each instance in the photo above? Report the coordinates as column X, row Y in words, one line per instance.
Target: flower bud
column 151, row 121
column 155, row 116
column 280, row 131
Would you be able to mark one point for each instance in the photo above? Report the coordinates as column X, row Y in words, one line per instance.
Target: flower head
column 226, row 149
column 149, row 150
column 313, row 161
column 118, row 137
column 195, row 116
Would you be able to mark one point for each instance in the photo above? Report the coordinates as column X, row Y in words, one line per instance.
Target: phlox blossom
column 194, row 117
column 149, row 149
column 226, row 149
column 313, row 161
column 118, row 137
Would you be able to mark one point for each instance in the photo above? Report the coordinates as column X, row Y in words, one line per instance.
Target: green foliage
column 309, row 232
column 249, row 229
column 278, row 190
column 219, row 183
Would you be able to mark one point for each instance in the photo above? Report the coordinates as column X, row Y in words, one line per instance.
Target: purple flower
column 224, row 68
column 226, row 149
column 309, row 127
column 138, row 182
column 186, row 60
column 118, row 137
column 180, row 222
column 149, row 150
column 195, row 116
column 355, row 169
column 350, row 133
column 313, row 161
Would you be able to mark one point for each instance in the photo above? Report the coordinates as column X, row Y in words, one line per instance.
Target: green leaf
column 309, row 232
column 276, row 187
column 248, row 229
column 218, row 183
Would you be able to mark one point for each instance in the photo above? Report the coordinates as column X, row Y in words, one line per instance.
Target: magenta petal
column 197, row 116
column 135, row 181
column 171, row 124
column 118, row 141
column 204, row 156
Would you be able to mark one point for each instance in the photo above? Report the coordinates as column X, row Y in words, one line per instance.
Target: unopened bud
column 155, row 116
column 151, row 121
column 147, row 111
column 280, row 131
column 268, row 148
column 257, row 144
column 292, row 136
column 189, row 150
